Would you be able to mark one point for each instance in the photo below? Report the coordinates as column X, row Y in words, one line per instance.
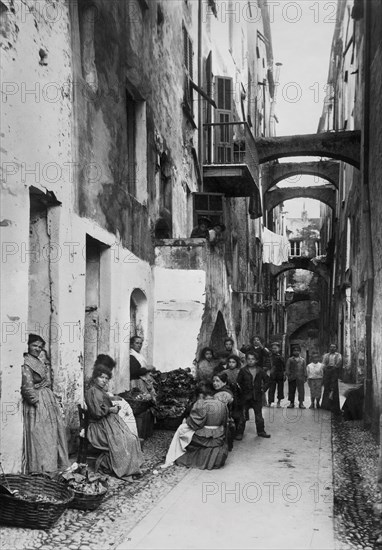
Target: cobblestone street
column 309, row 511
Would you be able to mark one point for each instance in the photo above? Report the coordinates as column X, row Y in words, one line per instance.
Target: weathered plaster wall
column 375, row 172
column 36, row 141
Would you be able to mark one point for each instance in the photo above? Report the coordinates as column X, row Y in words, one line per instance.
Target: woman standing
column 45, row 445
column 107, row 431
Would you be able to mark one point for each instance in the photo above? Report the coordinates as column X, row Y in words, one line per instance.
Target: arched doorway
column 138, row 313
column 218, row 334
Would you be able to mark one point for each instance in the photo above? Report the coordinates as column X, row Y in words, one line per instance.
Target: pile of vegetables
column 138, row 400
column 34, row 498
column 85, row 482
column 174, row 392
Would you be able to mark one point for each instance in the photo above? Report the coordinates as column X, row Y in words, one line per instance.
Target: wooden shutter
column 223, row 134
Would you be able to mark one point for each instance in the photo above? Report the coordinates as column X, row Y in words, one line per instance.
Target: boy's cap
column 296, row 347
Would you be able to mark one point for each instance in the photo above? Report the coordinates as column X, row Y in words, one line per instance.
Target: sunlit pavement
column 271, row 494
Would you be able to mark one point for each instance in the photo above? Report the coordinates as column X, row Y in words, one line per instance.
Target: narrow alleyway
column 274, row 493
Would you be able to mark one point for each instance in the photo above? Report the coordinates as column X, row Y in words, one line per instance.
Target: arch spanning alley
column 323, row 193
column 343, row 146
column 301, row 263
column 325, row 169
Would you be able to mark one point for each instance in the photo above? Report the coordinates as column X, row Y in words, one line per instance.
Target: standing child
column 296, row 373
column 277, row 375
column 253, row 383
column 315, row 372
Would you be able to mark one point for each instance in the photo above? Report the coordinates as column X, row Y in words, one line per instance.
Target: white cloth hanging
column 275, row 248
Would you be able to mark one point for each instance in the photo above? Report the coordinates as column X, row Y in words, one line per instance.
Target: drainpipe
column 369, row 402
column 200, row 82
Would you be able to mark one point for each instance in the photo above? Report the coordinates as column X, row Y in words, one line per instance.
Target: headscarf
column 35, row 338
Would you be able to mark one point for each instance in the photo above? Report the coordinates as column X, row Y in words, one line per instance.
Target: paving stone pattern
column 106, row 527
column 356, row 498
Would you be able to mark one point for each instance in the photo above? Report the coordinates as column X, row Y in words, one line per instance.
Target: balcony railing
column 230, row 163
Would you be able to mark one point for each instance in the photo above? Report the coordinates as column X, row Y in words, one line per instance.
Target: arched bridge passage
column 321, row 269
column 343, row 146
column 275, row 172
column 323, row 193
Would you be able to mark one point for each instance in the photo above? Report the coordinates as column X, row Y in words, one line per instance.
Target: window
column 131, row 123
column 210, row 205
column 223, row 114
column 189, row 71
column 295, row 248
column 136, row 145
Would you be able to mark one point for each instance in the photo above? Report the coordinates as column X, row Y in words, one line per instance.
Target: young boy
column 296, row 373
column 277, row 375
column 315, row 372
column 253, row 383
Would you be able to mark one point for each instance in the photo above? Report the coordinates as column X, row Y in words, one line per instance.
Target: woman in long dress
column 125, row 411
column 108, row 432
column 331, row 397
column 45, row 444
column 208, row 447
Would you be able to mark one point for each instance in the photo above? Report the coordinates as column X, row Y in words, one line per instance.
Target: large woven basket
column 28, row 513
column 83, row 501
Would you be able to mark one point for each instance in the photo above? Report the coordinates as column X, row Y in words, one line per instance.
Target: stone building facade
column 110, row 154
column 354, row 235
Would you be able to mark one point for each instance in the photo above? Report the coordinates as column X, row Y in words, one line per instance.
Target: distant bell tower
column 304, row 214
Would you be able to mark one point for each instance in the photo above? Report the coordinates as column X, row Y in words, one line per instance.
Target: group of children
column 253, row 371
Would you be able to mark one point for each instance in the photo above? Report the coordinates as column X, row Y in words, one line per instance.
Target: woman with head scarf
column 107, row 431
column 45, row 444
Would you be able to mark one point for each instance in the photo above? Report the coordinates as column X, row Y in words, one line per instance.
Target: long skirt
column 205, row 453
column 315, row 386
column 178, row 446
column 45, row 444
column 124, row 456
column 331, row 403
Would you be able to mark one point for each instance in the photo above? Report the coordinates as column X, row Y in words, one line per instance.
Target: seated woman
column 208, row 419
column 222, row 391
column 108, row 432
column 206, row 365
column 125, row 411
column 45, row 444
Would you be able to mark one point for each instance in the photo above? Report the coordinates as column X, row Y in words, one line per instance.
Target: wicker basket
column 28, row 513
column 170, row 423
column 83, row 501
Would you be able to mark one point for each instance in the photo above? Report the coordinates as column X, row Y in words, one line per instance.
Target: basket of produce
column 138, row 401
column 32, row 501
column 89, row 489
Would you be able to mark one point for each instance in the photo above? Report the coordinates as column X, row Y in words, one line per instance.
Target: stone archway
column 275, row 172
column 322, row 269
column 343, row 146
column 323, row 193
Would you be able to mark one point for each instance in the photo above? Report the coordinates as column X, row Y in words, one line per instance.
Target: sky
column 302, row 35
